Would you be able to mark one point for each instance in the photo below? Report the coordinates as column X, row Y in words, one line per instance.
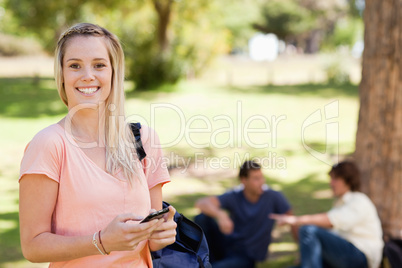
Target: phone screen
column 156, row 215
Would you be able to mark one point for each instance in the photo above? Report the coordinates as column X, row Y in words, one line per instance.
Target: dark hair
column 246, row 167
column 348, row 172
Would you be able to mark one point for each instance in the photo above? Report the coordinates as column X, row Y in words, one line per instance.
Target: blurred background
column 221, row 82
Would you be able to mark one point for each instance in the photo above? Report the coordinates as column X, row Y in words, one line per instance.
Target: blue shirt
column 252, row 225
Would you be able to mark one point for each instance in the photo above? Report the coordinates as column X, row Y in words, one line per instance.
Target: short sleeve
column 155, row 165
column 43, row 155
column 226, row 200
column 281, row 203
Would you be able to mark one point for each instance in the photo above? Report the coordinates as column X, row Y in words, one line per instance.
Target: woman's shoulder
column 55, row 130
column 148, row 134
column 52, row 134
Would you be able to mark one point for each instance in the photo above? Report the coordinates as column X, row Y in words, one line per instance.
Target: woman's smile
column 88, row 91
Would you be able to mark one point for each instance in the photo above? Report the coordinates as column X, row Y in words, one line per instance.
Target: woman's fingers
column 143, row 228
column 123, row 234
column 169, row 231
column 140, row 232
column 170, row 216
column 165, row 234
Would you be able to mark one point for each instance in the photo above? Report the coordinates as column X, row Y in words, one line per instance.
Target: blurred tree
column 286, row 19
column 163, row 39
column 347, row 32
column 356, row 8
column 48, row 18
column 7, row 21
column 163, row 9
column 379, row 133
column 240, row 30
column 195, row 34
column 304, row 23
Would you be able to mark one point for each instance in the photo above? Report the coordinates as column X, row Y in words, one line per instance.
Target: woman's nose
column 87, row 75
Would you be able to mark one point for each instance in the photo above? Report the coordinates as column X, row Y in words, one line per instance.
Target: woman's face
column 339, row 186
column 87, row 71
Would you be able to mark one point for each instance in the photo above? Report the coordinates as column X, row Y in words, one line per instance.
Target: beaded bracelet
column 96, row 243
column 100, row 241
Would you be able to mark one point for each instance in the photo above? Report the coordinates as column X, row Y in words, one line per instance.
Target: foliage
column 202, row 36
column 151, row 69
column 347, row 32
column 285, row 19
column 196, row 32
column 48, row 18
column 240, row 30
column 307, row 23
column 336, row 73
column 194, row 35
column 8, row 23
column 356, row 8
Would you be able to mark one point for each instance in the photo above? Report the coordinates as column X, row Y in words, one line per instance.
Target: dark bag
column 189, row 250
column 191, row 247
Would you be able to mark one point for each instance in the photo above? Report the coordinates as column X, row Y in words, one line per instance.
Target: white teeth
column 87, row 90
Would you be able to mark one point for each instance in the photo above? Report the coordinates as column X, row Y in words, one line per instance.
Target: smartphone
column 156, row 215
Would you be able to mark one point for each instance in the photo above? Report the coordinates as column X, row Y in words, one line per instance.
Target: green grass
column 28, row 105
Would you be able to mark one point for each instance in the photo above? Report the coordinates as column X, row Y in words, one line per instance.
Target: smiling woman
column 87, row 71
column 83, row 189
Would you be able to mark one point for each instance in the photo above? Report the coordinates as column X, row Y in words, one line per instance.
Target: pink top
column 89, row 198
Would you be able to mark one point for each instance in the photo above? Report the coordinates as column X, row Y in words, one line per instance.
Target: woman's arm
column 156, row 197
column 38, row 195
column 166, row 233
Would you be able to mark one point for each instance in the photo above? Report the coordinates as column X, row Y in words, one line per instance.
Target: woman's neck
column 86, row 125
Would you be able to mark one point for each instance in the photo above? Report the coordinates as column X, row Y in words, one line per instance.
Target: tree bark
column 379, row 134
column 163, row 8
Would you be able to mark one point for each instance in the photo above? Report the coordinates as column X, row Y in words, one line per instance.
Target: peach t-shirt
column 89, row 198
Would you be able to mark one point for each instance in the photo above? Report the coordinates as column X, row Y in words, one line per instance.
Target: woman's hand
column 122, row 235
column 165, row 233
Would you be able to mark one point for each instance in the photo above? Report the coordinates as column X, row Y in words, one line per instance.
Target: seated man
column 237, row 224
column 347, row 236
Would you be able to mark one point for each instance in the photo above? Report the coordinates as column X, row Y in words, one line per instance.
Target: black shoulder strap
column 135, row 128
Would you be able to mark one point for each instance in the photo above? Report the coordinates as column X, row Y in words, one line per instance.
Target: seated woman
column 349, row 235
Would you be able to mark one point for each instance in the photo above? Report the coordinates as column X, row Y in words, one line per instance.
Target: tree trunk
column 379, row 134
column 163, row 8
column 313, row 42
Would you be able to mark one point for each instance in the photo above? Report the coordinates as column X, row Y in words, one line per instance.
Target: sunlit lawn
column 207, row 131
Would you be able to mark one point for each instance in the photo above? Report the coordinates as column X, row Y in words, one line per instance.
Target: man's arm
column 294, row 228
column 320, row 220
column 211, row 207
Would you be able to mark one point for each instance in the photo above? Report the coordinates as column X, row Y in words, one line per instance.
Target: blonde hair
column 119, row 140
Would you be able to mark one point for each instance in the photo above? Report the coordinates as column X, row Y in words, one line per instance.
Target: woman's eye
column 99, row 65
column 74, row 66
